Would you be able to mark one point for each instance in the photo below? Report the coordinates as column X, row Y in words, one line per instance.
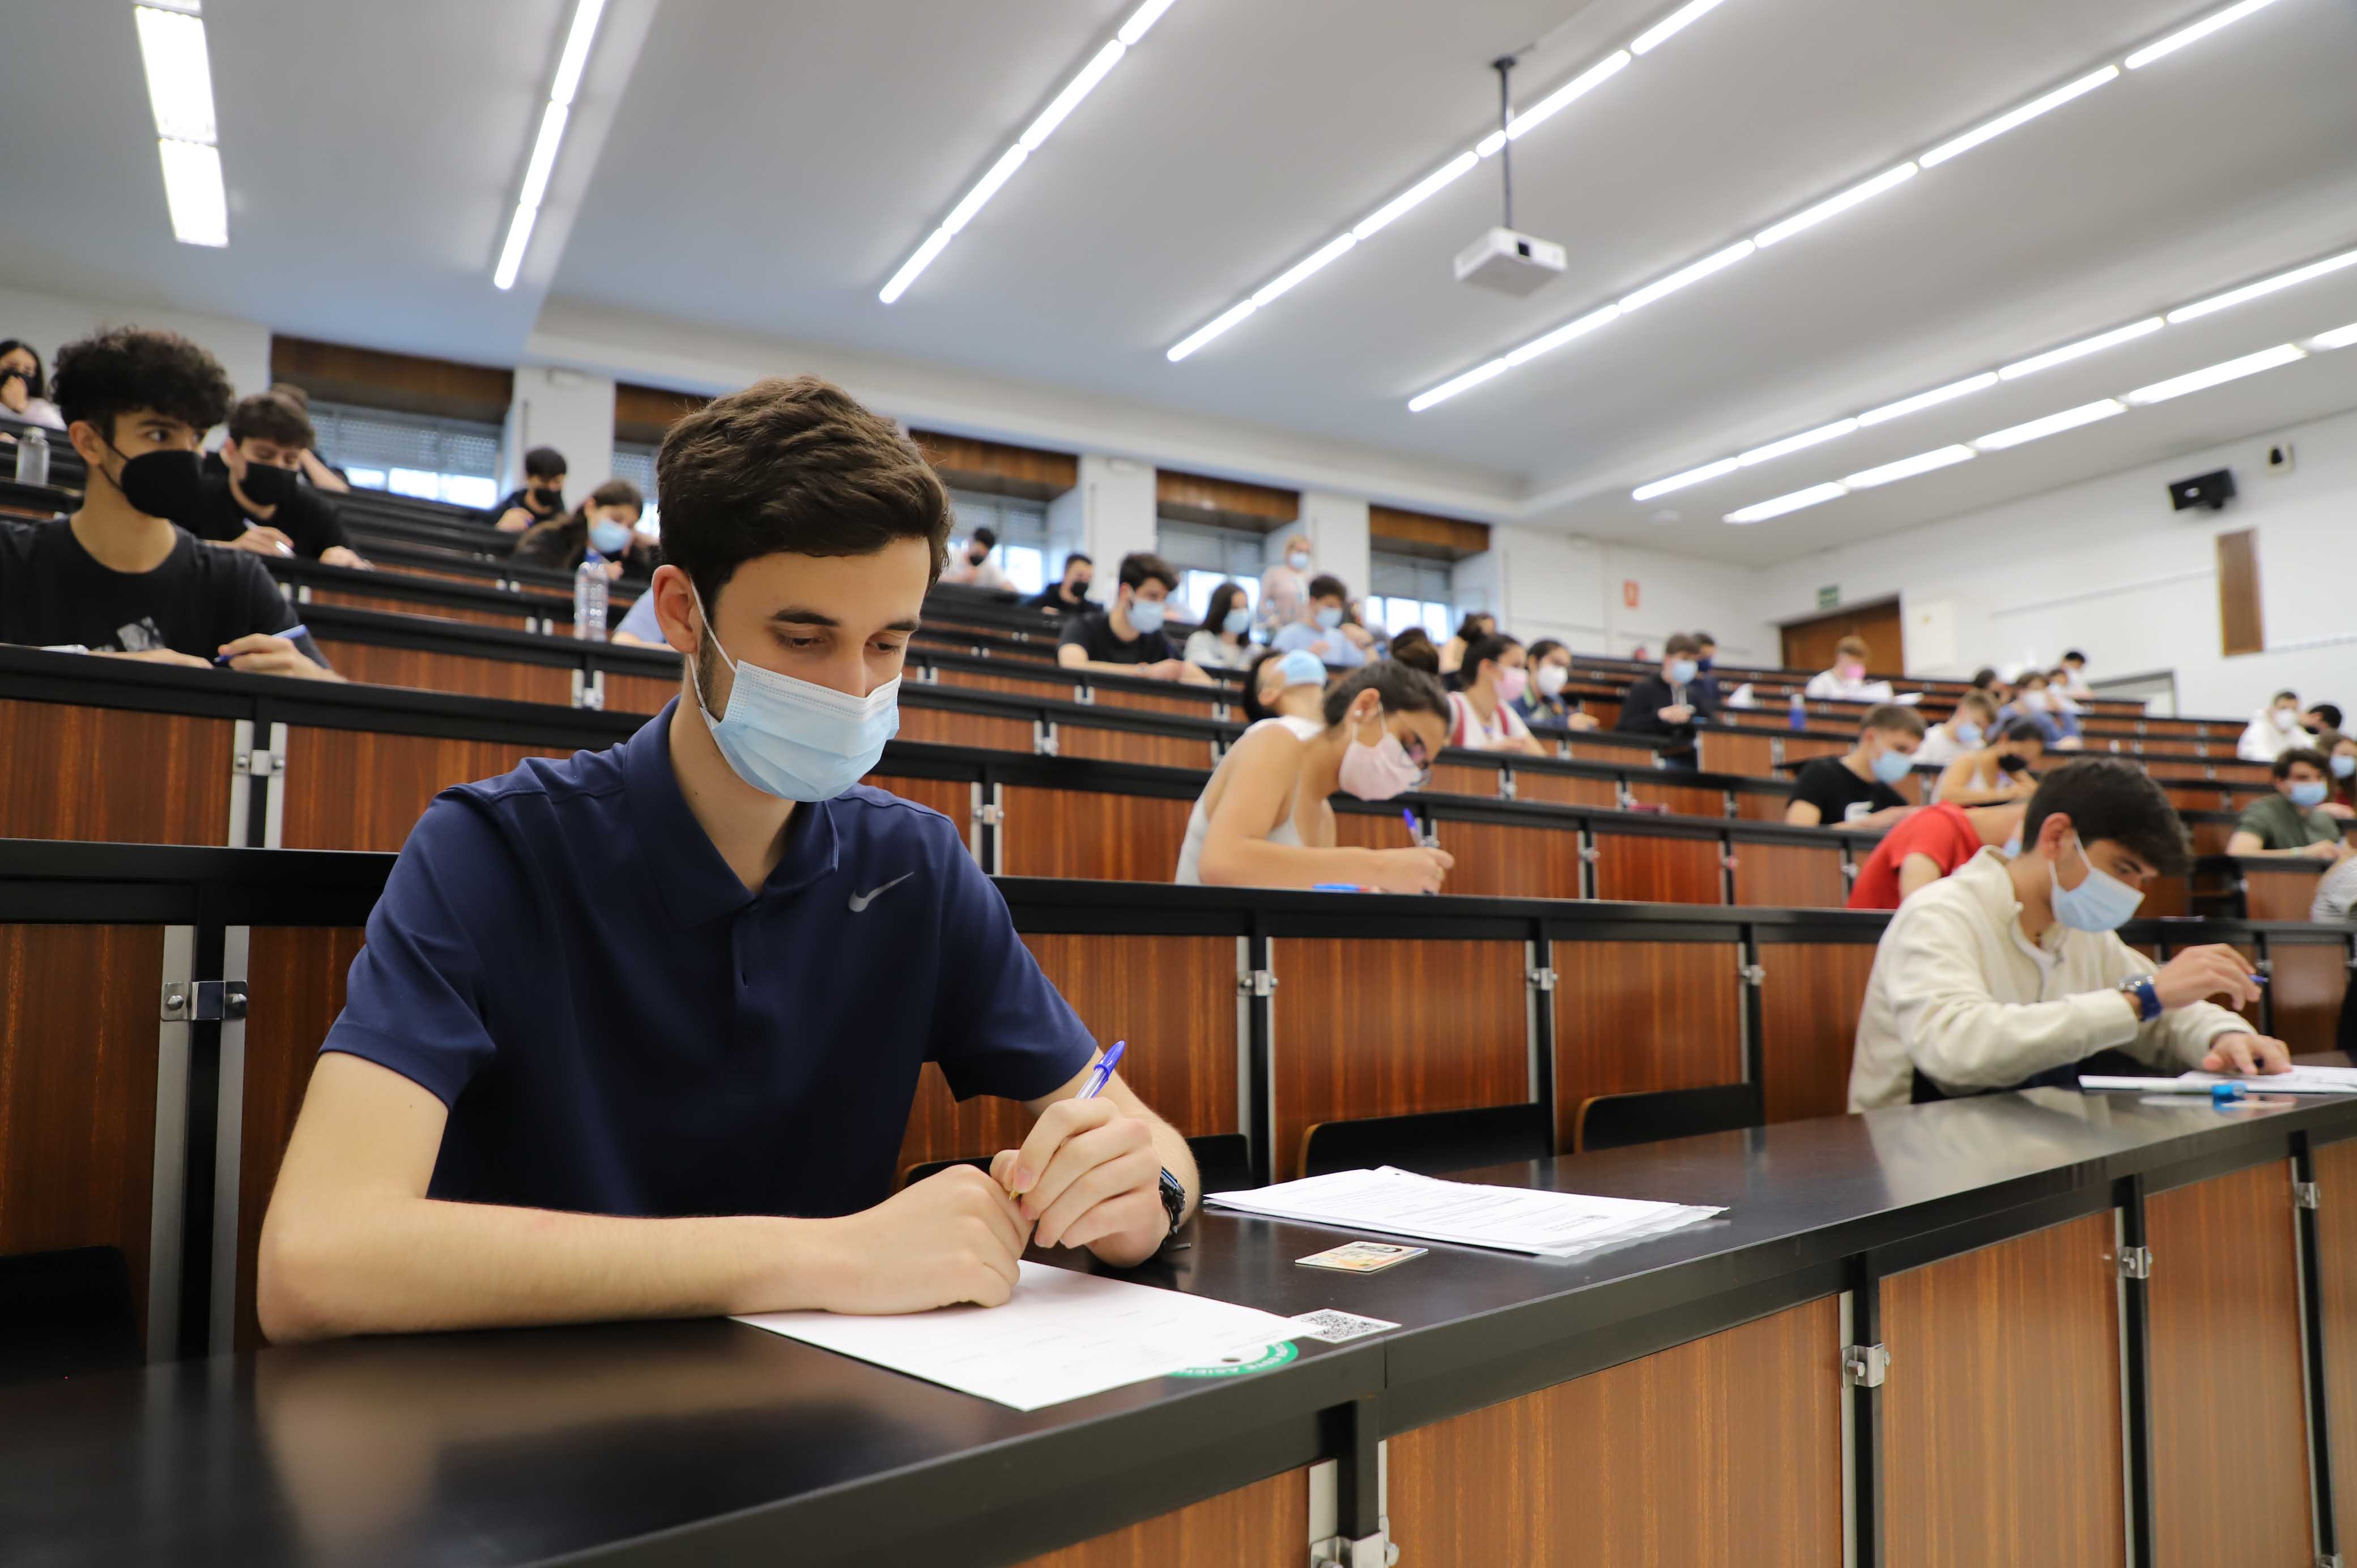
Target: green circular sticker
column 1268, row 1357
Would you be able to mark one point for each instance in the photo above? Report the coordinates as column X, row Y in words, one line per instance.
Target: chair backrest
column 1429, row 1142
column 1615, row 1121
column 64, row 1314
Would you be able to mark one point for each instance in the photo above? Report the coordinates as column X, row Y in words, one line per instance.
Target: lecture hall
column 1508, row 784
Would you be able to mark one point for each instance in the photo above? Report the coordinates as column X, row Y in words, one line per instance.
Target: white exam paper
column 2299, row 1080
column 1512, row 1219
column 1063, row 1335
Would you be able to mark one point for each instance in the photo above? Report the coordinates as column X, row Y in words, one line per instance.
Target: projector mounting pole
column 1504, row 66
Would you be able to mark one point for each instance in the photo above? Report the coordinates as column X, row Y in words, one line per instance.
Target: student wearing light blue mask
column 2011, row 974
column 1327, row 632
column 1224, row 639
column 606, row 522
column 1859, row 787
column 636, row 1032
column 1128, row 640
column 2293, row 820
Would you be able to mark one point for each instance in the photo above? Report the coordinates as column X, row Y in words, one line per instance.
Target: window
column 1206, row 557
column 454, row 460
column 636, row 463
column 1409, row 591
column 1022, row 529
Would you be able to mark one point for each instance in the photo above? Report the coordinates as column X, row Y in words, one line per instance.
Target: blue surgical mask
column 1892, row 766
column 1239, row 620
column 1298, row 560
column 1302, row 668
column 610, row 538
column 2101, row 903
column 1147, row 615
column 2013, row 844
column 1328, row 616
column 1681, row 671
column 1967, row 736
column 790, row 739
column 2344, row 765
column 2307, row 794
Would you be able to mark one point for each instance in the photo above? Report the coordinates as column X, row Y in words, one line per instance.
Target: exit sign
column 1628, row 592
column 1829, row 596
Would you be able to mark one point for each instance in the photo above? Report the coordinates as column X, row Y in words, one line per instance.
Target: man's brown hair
column 1855, row 646
column 795, row 467
column 1681, row 643
column 1896, row 718
column 271, row 416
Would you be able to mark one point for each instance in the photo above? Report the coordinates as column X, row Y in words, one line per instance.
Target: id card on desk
column 1361, row 1257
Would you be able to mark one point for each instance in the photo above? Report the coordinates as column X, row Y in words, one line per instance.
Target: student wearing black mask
column 257, row 503
column 542, row 498
column 24, row 394
column 1070, row 596
column 117, row 577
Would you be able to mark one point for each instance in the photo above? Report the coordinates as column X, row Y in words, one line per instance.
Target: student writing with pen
column 636, row 1033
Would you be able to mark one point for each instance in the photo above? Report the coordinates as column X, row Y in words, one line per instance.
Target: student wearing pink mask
column 1846, row 680
column 1481, row 716
column 1265, row 820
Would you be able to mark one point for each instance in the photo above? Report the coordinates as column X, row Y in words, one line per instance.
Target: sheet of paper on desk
column 1063, row 1335
column 2299, row 1080
column 1511, row 1219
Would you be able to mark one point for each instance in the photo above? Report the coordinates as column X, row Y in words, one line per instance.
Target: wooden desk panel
column 1382, row 1027
column 1760, row 806
column 1808, row 1024
column 1132, row 746
column 1725, row 1449
column 1747, row 752
column 1658, row 870
column 1105, row 838
column 347, row 789
column 1566, row 789
column 62, row 775
column 2279, row 894
column 1682, row 800
column 2336, row 1248
column 2229, row 1425
column 461, row 675
column 952, row 798
column 639, row 694
column 1635, row 1016
column 1790, row 875
column 77, row 1030
column 1494, row 861
column 1193, row 702
column 944, row 728
column 1266, row 1522
column 509, row 620
column 1466, row 778
column 1048, row 686
column 2306, row 986
column 2005, row 1380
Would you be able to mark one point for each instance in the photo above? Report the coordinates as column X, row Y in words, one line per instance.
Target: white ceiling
column 760, row 169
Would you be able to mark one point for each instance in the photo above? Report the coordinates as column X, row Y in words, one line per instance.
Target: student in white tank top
column 1264, row 820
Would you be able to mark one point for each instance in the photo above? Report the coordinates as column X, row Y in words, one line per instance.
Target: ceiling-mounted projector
column 1506, row 259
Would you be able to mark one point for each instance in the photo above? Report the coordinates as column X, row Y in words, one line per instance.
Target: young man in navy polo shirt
column 636, row 1034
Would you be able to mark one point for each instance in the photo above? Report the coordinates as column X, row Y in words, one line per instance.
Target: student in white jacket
column 2273, row 730
column 2009, row 972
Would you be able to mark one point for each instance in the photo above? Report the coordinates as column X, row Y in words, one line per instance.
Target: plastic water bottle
column 589, row 598
column 33, row 457
column 1799, row 717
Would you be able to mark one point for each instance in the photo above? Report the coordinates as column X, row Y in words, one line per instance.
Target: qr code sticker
column 1339, row 1327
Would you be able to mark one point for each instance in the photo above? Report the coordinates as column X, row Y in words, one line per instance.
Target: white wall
column 1106, row 514
column 2106, row 566
column 1339, row 541
column 572, row 411
column 1542, row 583
column 48, row 321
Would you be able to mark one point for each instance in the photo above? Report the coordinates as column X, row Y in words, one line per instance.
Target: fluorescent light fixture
column 2232, row 370
column 1080, row 87
column 511, row 253
column 2080, row 350
column 577, row 52
column 543, row 155
column 933, row 245
column 2338, row 338
column 1140, row 20
column 1801, row 443
column 1932, row 398
column 1990, row 130
column 1490, row 143
column 2198, row 30
column 2250, row 291
column 1680, row 481
column 1579, row 86
column 1407, row 200
column 1210, row 331
column 1446, row 390
column 1562, row 335
column 1677, row 21
column 1908, row 468
column 1865, row 192
column 984, row 188
column 179, row 75
column 1763, row 511
column 192, row 190
column 1302, row 269
column 1694, row 274
column 2052, row 424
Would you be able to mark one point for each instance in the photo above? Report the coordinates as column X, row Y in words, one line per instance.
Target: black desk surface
column 710, row 1442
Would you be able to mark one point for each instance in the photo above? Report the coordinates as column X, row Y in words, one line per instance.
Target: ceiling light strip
column 2201, row 30
column 2215, row 375
column 1841, row 201
column 2250, row 291
column 1908, row 468
column 2080, row 350
column 1060, row 108
column 178, row 67
column 571, row 61
column 1813, row 496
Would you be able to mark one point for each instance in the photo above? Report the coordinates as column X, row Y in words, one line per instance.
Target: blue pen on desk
column 290, row 634
column 1095, row 1085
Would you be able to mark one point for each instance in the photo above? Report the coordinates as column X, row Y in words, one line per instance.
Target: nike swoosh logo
column 859, row 901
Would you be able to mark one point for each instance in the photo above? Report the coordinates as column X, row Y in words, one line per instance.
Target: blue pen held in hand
column 1414, row 834
column 1095, row 1085
column 290, row 634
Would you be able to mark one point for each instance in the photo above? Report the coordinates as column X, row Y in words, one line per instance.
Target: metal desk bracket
column 1864, row 1365
column 202, row 1000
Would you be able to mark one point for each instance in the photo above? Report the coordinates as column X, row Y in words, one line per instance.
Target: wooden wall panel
column 1198, row 498
column 461, row 675
column 78, row 1028
column 1683, row 800
column 1422, row 534
column 644, row 415
column 1172, row 998
column 943, row 726
column 1790, row 875
column 509, row 620
column 2006, row 1378
column 1132, row 745
column 2306, row 987
column 1566, row 789
column 2229, row 1431
column 295, row 977
column 998, row 467
column 2242, row 626
column 61, row 775
column 1494, row 861
column 1632, row 1018
column 349, row 788
column 1808, row 1024
column 1725, row 1449
column 1378, row 1028
column 2336, row 1249
column 411, row 383
column 1266, row 1522
column 1658, row 870
column 1072, row 833
column 1809, row 644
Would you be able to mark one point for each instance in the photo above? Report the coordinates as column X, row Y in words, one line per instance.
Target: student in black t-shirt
column 1127, row 638
column 542, row 498
column 1070, row 596
column 1828, row 790
column 257, row 503
column 116, row 577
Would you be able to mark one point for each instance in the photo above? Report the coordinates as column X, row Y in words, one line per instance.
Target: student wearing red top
column 1929, row 845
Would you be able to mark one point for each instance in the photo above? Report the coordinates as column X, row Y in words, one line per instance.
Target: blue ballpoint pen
column 1414, row 834
column 1095, row 1085
column 290, row 634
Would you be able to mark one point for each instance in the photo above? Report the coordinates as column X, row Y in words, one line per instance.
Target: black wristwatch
column 1174, row 1201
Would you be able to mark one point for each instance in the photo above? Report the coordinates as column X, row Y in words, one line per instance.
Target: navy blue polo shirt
column 619, row 1027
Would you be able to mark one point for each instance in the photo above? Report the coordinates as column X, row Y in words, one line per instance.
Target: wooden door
column 1809, row 644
